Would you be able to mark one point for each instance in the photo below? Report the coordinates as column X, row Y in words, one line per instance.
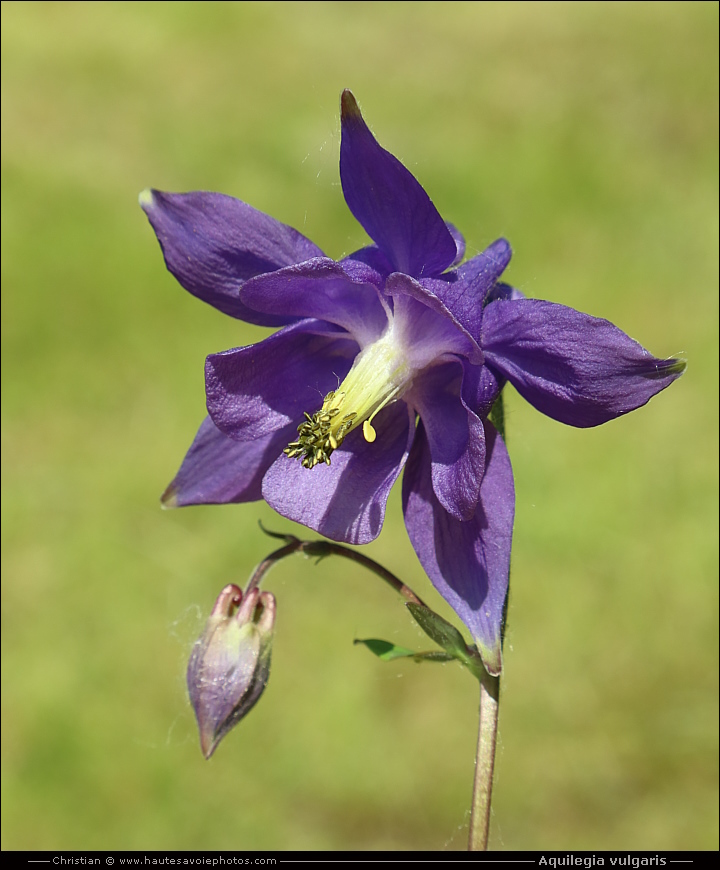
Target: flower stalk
column 321, row 549
column 484, row 764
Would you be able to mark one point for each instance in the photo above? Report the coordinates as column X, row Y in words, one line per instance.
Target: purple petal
column 369, row 265
column 578, row 369
column 425, row 326
column 256, row 390
column 468, row 562
column 455, row 435
column 464, row 291
column 218, row 470
column 389, row 202
column 345, row 501
column 323, row 289
column 503, row 292
column 481, row 387
column 212, row 243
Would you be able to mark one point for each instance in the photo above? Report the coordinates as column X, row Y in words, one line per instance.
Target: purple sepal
column 212, row 243
column 219, row 470
column 389, row 202
column 256, row 390
column 459, row 240
column 577, row 369
column 345, row 501
column 468, row 562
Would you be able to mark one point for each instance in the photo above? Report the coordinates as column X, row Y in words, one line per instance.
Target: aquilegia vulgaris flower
column 390, row 358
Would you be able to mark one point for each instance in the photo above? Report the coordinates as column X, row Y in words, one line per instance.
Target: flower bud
column 230, row 663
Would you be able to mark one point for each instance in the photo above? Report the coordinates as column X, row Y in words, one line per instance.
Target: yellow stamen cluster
column 322, row 433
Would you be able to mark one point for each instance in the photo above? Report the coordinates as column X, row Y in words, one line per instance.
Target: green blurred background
column 586, row 133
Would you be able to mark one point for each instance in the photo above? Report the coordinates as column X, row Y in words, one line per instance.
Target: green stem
column 484, row 764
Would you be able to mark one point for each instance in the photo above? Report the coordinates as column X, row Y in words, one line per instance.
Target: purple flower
column 389, row 358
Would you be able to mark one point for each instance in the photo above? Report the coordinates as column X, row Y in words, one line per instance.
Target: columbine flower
column 230, row 663
column 320, row 418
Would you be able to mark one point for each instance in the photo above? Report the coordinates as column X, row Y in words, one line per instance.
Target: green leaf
column 387, row 651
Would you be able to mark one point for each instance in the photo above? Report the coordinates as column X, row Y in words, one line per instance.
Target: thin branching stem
column 321, row 549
